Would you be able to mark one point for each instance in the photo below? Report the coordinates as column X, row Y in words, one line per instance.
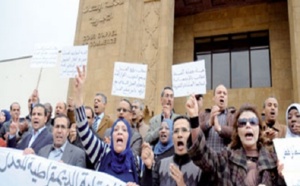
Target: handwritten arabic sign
column 288, row 152
column 129, row 80
column 189, row 78
column 44, row 56
column 72, row 57
column 34, row 170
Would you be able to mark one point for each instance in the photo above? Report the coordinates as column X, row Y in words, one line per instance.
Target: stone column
column 138, row 31
column 294, row 22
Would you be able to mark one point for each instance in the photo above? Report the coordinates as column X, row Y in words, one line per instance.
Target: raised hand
column 13, row 128
column 215, row 111
column 78, row 85
column 73, row 133
column 167, row 111
column 192, row 106
column 177, row 175
column 147, row 155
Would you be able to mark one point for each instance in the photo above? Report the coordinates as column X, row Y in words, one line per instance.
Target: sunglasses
column 123, row 110
column 243, row 122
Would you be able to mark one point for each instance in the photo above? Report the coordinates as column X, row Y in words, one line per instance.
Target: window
column 236, row 60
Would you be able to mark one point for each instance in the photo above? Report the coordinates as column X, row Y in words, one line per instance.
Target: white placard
column 44, row 56
column 19, row 169
column 288, row 152
column 129, row 80
column 189, row 78
column 72, row 57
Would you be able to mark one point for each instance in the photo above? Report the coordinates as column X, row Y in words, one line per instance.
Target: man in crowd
column 218, row 128
column 272, row 128
column 61, row 149
column 167, row 102
column 138, row 118
column 39, row 136
column 102, row 121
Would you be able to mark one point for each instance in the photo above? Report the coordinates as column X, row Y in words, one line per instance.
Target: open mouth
column 35, row 122
column 249, row 135
column 222, row 100
column 163, row 136
column 180, row 145
column 272, row 113
column 119, row 141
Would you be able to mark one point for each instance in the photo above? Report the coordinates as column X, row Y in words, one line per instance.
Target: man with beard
column 272, row 128
column 167, row 102
column 138, row 118
column 102, row 121
column 218, row 128
column 174, row 170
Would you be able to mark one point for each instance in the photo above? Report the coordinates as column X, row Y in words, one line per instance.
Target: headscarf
column 289, row 133
column 160, row 148
column 123, row 161
column 7, row 115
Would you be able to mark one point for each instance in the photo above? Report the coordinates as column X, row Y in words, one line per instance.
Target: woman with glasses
column 293, row 121
column 246, row 161
column 116, row 159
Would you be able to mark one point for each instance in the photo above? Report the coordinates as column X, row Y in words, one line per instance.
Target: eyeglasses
column 183, row 130
column 123, row 110
column 243, row 122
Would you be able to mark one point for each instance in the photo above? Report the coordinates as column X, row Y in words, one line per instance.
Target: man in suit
column 167, row 102
column 38, row 137
column 102, row 121
column 61, row 149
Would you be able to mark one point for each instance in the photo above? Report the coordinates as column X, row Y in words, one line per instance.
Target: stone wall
column 265, row 16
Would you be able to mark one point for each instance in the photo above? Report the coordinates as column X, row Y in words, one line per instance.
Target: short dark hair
column 92, row 111
column 165, row 88
column 39, row 105
column 11, row 105
column 130, row 105
column 182, row 117
column 62, row 116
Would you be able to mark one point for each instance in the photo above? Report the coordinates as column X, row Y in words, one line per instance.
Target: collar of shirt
column 38, row 132
column 100, row 116
column 62, row 148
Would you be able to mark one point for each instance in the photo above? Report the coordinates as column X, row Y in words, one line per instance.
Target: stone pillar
column 294, row 22
column 138, row 31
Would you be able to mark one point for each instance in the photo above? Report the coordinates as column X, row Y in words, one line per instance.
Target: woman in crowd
column 246, row 162
column 116, row 159
column 293, row 121
column 164, row 147
column 4, row 117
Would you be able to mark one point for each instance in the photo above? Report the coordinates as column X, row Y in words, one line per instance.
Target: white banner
column 44, row 55
column 19, row 169
column 189, row 78
column 288, row 152
column 129, row 80
column 71, row 57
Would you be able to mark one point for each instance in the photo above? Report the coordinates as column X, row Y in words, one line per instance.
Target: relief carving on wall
column 149, row 52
